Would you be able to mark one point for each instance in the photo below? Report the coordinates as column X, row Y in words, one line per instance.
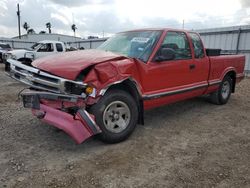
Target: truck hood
column 70, row 64
column 18, row 52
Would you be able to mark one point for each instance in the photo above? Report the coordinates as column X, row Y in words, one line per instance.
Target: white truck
column 4, row 47
column 40, row 49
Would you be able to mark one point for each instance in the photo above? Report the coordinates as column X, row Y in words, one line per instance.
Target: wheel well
column 130, row 87
column 232, row 75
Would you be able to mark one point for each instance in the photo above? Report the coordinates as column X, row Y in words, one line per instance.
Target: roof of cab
column 158, row 29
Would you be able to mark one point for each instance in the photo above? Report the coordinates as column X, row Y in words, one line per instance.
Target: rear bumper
column 240, row 77
column 79, row 126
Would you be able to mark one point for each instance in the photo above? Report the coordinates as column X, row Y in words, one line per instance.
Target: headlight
column 9, row 56
column 79, row 89
column 74, row 88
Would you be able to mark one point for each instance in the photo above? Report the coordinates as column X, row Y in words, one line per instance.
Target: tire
column 116, row 113
column 222, row 95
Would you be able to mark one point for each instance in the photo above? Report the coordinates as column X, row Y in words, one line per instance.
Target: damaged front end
column 57, row 101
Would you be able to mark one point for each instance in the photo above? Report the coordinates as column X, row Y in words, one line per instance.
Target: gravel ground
column 187, row 144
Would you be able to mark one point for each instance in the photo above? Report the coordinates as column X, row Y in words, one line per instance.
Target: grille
column 39, row 79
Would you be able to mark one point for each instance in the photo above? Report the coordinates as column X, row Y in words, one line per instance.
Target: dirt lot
column 188, row 144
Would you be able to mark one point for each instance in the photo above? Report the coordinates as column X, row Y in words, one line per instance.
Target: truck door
column 201, row 62
column 45, row 50
column 177, row 76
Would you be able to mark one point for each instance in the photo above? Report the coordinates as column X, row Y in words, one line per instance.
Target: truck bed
column 219, row 65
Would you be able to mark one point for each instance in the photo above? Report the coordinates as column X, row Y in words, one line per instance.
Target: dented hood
column 69, row 64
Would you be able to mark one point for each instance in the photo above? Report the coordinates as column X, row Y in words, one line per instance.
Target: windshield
column 135, row 44
column 36, row 46
column 5, row 46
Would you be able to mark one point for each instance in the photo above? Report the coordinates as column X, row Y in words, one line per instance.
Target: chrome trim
column 51, row 96
column 91, row 124
column 214, row 82
column 164, row 94
column 103, row 91
column 39, row 79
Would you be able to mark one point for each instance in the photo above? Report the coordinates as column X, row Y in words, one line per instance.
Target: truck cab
column 38, row 50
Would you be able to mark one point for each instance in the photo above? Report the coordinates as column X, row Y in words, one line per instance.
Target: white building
column 47, row 36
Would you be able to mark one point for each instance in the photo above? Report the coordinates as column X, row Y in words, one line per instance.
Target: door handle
column 192, row 66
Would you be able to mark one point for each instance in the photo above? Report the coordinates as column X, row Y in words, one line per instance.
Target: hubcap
column 116, row 116
column 225, row 90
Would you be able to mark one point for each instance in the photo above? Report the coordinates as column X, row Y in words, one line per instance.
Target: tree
column 73, row 27
column 31, row 31
column 26, row 26
column 48, row 26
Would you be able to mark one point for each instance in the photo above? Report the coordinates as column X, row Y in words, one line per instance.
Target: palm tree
column 31, row 31
column 73, row 27
column 26, row 26
column 48, row 25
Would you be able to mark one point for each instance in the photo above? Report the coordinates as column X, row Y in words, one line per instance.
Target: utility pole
column 183, row 24
column 18, row 16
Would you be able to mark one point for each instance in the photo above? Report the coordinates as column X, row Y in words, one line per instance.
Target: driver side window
column 178, row 43
column 46, row 48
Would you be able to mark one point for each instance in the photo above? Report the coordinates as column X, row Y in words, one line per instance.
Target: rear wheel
column 116, row 113
column 222, row 95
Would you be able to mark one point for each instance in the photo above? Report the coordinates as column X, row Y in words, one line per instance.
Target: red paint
column 70, row 64
column 151, row 78
column 75, row 128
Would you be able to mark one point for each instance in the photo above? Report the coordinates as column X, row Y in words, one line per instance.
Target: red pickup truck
column 105, row 91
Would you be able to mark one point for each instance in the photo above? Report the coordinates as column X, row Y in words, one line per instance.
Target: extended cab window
column 46, row 48
column 59, row 47
column 197, row 45
column 178, row 42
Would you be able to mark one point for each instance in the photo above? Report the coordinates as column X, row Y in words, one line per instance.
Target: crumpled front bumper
column 79, row 126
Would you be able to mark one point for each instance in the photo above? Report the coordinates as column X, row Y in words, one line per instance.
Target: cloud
column 60, row 18
column 75, row 3
column 245, row 3
column 92, row 17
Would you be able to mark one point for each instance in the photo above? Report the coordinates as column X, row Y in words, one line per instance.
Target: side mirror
column 165, row 54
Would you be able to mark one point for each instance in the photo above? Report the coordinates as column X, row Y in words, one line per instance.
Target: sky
column 106, row 17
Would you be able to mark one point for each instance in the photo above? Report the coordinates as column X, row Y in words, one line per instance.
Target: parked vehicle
column 38, row 50
column 4, row 48
column 105, row 91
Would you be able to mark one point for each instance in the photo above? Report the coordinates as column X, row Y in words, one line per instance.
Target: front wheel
column 116, row 113
column 222, row 95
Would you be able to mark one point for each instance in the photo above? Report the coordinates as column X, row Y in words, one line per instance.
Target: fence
column 86, row 44
column 18, row 44
column 232, row 40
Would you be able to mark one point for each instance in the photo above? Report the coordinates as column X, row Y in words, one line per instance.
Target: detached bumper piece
column 79, row 127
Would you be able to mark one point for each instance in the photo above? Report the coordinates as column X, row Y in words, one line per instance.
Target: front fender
column 103, row 76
